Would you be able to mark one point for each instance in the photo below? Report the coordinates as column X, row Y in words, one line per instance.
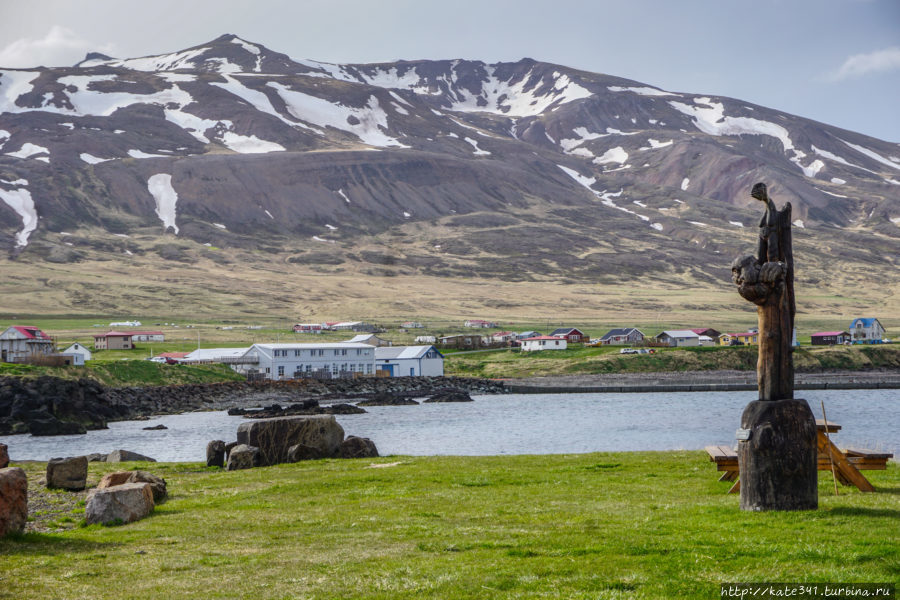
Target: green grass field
column 610, row 525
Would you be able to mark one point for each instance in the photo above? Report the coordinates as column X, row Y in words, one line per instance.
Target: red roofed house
column 21, row 342
column 113, row 340
column 571, row 334
column 543, row 342
column 830, row 338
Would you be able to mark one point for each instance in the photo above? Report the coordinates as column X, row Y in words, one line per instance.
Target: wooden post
column 777, row 447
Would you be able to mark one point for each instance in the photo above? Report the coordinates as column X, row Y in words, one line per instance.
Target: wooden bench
column 726, row 460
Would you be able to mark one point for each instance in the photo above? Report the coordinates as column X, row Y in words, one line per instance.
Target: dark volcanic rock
column 357, row 447
column 274, row 437
column 342, row 409
column 4, row 456
column 159, row 427
column 67, row 473
column 127, row 456
column 215, row 454
column 450, row 396
column 387, row 399
column 243, row 456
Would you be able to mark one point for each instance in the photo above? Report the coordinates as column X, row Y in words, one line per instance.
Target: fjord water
column 508, row 424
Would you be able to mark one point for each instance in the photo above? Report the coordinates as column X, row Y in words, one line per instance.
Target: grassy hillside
column 577, row 360
column 129, row 373
column 610, row 525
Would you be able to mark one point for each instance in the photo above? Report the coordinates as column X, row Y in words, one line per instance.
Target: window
column 337, row 352
column 369, row 369
column 334, row 368
column 296, row 352
column 280, row 371
column 343, row 352
column 358, row 351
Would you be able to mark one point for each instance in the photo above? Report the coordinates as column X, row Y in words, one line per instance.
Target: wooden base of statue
column 778, row 461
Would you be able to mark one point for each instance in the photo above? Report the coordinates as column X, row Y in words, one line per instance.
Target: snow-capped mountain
column 229, row 144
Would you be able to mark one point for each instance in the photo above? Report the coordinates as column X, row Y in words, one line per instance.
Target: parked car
column 628, row 351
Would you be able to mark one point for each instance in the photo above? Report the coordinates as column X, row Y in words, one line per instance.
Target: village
column 366, row 354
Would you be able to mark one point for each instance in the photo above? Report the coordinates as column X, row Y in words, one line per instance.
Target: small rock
column 357, row 447
column 450, row 395
column 67, row 473
column 157, row 484
column 4, row 456
column 96, row 457
column 228, row 448
column 387, row 399
column 215, row 454
column 243, row 456
column 13, row 500
column 342, row 409
column 127, row 456
column 299, row 452
column 159, row 427
column 121, row 503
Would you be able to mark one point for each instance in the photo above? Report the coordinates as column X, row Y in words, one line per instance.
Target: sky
column 834, row 61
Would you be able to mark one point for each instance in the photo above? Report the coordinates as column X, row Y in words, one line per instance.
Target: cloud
column 859, row 65
column 60, row 47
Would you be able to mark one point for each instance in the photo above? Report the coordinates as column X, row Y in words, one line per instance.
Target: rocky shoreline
column 53, row 406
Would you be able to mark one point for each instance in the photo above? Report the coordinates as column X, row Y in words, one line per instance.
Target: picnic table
column 847, row 464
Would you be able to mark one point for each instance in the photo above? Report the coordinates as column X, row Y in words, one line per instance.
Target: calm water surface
column 508, row 424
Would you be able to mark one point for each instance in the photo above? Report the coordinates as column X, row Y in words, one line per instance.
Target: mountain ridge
column 436, row 168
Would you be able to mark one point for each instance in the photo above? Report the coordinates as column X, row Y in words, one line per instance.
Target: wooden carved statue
column 767, row 280
column 777, row 447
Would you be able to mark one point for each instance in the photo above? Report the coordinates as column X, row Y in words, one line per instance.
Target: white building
column 410, row 361
column 293, row 361
column 148, row 336
column 425, row 339
column 679, row 337
column 543, row 342
column 215, row 355
column 370, row 339
column 22, row 342
column 78, row 353
column 866, row 331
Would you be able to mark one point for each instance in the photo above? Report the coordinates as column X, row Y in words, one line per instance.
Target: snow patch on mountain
column 12, row 85
column 799, row 223
column 613, row 155
column 160, row 187
column 736, row 223
column 838, row 181
column 341, row 193
column 519, row 99
column 20, row 201
column 838, row 159
column 873, row 155
column 478, row 151
column 685, row 183
column 161, row 62
column 814, row 167
column 141, row 154
column 569, row 144
column 28, row 150
column 368, row 120
column 249, row 144
column 656, row 144
column 657, row 226
column 641, row 91
column 257, row 100
column 4, row 135
column 91, row 159
column 581, row 179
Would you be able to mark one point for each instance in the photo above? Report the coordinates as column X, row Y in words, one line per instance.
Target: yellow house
column 750, row 338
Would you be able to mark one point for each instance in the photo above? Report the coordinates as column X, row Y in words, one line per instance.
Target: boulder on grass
column 119, row 504
column 228, row 448
column 243, row 456
column 357, row 447
column 13, row 500
column 215, row 454
column 4, row 456
column 299, row 452
column 127, row 456
column 274, row 437
column 96, row 457
column 67, row 473
column 157, row 484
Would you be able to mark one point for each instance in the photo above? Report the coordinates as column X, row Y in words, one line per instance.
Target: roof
column 824, row 333
column 621, row 331
column 30, row 332
column 113, row 334
column 683, row 333
column 311, row 345
column 866, row 321
column 360, row 338
column 175, row 354
column 401, row 352
column 504, row 333
column 740, row 334
column 541, row 337
column 563, row 330
column 702, row 330
column 211, row 353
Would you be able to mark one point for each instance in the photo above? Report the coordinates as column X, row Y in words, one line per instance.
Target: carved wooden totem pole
column 777, row 440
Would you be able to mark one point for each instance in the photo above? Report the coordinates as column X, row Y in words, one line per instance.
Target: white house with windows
column 866, row 331
column 410, row 361
column 543, row 342
column 23, row 342
column 78, row 353
column 293, row 361
column 215, row 355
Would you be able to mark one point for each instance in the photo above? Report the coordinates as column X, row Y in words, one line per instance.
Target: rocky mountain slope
column 230, row 156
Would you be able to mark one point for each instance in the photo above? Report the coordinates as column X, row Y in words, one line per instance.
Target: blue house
column 866, row 331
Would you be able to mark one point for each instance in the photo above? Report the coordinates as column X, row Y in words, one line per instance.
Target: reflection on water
column 510, row 424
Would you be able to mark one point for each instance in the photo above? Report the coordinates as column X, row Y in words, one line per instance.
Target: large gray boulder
column 215, row 454
column 4, row 456
column 67, row 473
column 243, row 456
column 274, row 437
column 127, row 456
column 13, row 500
column 119, row 504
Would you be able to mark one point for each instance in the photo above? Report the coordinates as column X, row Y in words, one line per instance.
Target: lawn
column 610, row 525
